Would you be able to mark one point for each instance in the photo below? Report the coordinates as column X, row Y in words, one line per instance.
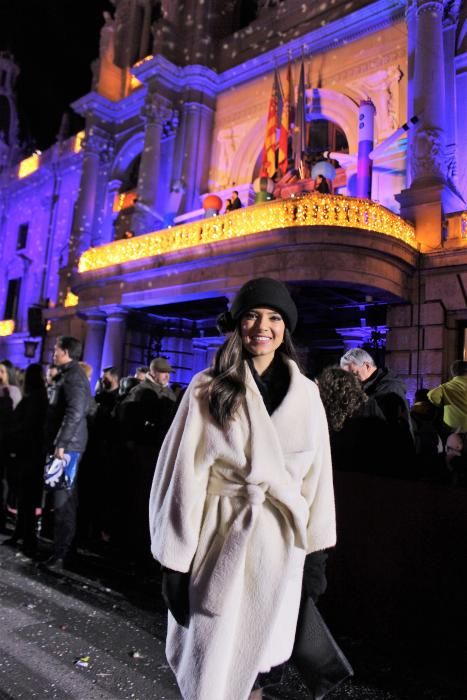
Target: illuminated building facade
column 106, row 231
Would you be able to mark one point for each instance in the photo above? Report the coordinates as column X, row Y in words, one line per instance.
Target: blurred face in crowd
column 361, row 371
column 109, row 381
column 3, row 375
column 51, row 373
column 61, row 357
column 161, row 378
column 262, row 332
column 140, row 376
column 454, row 446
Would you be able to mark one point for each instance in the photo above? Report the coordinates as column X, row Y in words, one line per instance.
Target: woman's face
column 3, row 375
column 262, row 331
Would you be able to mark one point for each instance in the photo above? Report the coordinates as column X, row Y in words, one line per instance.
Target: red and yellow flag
column 268, row 165
column 285, row 122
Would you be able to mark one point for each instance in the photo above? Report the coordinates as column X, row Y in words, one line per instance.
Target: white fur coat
column 240, row 508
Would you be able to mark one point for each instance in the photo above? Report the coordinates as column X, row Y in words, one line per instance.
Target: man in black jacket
column 388, row 390
column 67, row 431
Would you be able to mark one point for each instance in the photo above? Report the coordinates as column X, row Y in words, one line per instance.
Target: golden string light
column 70, row 299
column 306, row 210
column 7, row 328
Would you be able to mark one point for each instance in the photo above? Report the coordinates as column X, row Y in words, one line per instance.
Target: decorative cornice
column 95, row 105
column 164, row 73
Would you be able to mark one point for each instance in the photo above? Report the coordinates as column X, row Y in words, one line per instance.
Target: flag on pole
column 268, row 165
column 285, row 122
column 299, row 136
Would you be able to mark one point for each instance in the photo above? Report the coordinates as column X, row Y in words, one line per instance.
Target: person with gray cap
column 145, row 415
column 241, row 493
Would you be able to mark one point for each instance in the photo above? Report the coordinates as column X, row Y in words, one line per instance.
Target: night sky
column 54, row 43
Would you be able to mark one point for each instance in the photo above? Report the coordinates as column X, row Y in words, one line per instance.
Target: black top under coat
column 274, row 383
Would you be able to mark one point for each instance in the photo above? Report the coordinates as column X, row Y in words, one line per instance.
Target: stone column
column 461, row 89
column 94, row 343
column 112, row 355
column 146, row 217
column 411, row 19
column 108, row 215
column 105, row 164
column 428, row 153
column 449, row 35
column 95, row 144
column 430, row 196
column 198, row 124
column 166, row 179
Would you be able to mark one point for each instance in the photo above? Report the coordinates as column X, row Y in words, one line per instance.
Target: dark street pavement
column 112, row 618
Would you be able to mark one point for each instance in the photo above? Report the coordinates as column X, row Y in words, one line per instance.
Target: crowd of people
column 119, row 428
column 116, row 431
column 374, row 430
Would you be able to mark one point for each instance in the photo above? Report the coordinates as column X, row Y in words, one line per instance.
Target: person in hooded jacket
column 241, row 494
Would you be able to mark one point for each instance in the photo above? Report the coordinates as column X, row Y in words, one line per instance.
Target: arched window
column 325, row 135
column 130, row 179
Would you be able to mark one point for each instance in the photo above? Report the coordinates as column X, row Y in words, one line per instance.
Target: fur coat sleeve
column 180, row 483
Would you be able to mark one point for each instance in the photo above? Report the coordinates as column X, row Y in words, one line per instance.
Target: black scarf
column 274, row 383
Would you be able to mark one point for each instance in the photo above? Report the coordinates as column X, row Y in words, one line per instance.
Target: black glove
column 314, row 575
column 176, row 596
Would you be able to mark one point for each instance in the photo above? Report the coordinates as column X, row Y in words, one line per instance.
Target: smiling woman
column 241, row 493
column 262, row 332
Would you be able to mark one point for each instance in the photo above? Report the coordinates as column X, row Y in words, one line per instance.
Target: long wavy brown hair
column 227, row 389
column 342, row 395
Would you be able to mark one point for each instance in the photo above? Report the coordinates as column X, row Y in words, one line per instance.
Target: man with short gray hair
column 383, row 385
column 388, row 390
column 358, row 362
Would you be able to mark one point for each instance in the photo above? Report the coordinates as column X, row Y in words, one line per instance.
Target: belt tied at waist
column 253, row 493
column 230, row 558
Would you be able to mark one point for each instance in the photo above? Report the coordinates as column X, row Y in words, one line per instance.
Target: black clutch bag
column 316, row 654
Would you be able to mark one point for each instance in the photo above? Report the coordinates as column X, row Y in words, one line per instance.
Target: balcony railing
column 307, row 210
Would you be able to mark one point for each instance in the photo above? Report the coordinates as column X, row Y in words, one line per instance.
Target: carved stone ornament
column 451, row 12
column 430, row 7
column 155, row 111
column 428, row 157
column 95, row 142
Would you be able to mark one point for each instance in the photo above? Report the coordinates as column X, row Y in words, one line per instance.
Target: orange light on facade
column 48, row 325
column 7, row 328
column 124, row 200
column 70, row 299
column 134, row 83
column 29, row 165
column 78, row 142
column 306, row 210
